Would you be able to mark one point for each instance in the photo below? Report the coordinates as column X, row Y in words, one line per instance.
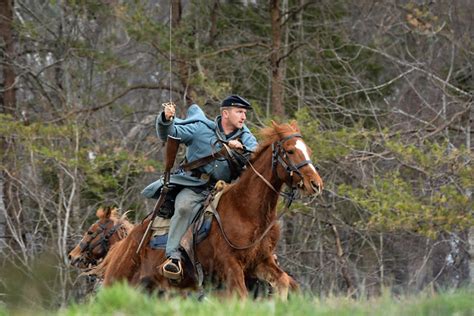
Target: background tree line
column 382, row 90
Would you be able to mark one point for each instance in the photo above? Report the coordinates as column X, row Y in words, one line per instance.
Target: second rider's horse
column 109, row 229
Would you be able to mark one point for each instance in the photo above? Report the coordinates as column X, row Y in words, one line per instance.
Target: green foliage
column 34, row 288
column 142, row 27
column 123, row 300
column 425, row 203
column 426, row 194
column 112, row 172
column 55, row 150
column 9, row 127
column 431, row 157
column 332, row 145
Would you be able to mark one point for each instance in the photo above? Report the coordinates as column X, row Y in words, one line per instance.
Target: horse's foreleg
column 269, row 271
column 234, row 280
column 122, row 263
column 148, row 275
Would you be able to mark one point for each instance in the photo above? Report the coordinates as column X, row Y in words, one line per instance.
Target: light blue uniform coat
column 200, row 135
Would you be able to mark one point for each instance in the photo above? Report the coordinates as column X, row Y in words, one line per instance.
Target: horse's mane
column 113, row 214
column 274, row 133
column 268, row 135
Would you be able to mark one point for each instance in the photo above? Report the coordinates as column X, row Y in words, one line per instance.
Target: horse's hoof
column 201, row 296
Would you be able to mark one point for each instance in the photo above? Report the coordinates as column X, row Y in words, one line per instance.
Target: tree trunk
column 10, row 199
column 275, row 59
column 213, row 18
column 6, row 33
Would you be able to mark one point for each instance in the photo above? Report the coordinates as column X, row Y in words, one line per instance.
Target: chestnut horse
column 100, row 237
column 242, row 243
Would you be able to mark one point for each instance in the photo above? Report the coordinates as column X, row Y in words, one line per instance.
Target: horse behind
column 109, row 229
column 244, row 232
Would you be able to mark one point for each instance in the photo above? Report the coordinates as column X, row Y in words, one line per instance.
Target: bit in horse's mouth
column 314, row 186
column 300, row 184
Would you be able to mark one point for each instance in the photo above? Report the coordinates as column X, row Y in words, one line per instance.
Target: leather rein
column 279, row 155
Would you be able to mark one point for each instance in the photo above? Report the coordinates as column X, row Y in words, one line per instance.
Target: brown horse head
column 96, row 242
column 292, row 157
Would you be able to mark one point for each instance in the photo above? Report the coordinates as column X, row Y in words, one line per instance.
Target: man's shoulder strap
column 223, row 153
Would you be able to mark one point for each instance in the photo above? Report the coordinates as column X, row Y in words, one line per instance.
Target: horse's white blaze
column 300, row 145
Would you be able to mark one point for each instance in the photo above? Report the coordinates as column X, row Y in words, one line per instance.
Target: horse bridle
column 280, row 155
column 89, row 246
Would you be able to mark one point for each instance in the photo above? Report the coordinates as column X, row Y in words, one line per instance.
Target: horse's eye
column 89, row 233
column 291, row 152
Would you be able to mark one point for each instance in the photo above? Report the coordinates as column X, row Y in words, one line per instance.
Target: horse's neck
column 260, row 198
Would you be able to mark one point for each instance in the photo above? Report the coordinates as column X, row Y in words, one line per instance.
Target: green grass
column 123, row 300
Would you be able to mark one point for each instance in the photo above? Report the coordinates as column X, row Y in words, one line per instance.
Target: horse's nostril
column 316, row 186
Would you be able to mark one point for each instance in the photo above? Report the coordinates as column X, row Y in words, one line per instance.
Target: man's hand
column 235, row 144
column 170, row 110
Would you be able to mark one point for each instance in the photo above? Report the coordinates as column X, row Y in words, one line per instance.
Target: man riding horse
column 203, row 138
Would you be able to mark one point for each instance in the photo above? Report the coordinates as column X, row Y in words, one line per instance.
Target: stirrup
column 172, row 270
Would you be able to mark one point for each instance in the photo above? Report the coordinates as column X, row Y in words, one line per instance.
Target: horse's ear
column 104, row 212
column 295, row 126
column 100, row 213
column 276, row 126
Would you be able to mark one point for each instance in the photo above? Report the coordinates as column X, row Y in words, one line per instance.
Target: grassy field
column 122, row 300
